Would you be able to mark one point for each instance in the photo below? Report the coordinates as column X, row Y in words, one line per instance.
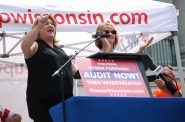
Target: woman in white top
column 109, row 43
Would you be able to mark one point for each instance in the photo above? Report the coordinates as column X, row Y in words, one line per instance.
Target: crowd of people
column 43, row 57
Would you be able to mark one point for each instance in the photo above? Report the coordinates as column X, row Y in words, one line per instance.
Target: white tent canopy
column 128, row 16
column 82, row 16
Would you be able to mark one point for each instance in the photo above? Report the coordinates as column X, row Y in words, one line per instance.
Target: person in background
column 162, row 91
column 8, row 116
column 43, row 57
column 108, row 44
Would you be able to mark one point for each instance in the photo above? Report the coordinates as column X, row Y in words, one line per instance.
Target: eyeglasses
column 108, row 31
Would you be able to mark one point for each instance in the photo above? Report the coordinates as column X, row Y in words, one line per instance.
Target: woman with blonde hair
column 43, row 57
column 110, row 42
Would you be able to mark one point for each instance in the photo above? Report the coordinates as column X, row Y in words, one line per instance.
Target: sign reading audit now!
column 111, row 77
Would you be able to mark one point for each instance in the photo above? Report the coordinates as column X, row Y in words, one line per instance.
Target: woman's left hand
column 144, row 44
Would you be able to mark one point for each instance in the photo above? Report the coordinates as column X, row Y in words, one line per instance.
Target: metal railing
column 163, row 52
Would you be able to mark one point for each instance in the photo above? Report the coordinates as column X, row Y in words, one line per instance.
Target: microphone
column 158, row 72
column 99, row 35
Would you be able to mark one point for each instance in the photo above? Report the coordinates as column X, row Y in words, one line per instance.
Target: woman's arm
column 74, row 67
column 28, row 45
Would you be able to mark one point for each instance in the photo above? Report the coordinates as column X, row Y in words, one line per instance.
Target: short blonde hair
column 54, row 23
column 100, row 30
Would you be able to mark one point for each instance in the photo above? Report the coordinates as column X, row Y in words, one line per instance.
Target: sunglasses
column 108, row 31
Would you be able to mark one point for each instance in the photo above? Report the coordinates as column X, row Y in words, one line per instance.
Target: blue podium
column 120, row 109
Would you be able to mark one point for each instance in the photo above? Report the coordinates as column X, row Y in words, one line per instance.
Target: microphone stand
column 57, row 72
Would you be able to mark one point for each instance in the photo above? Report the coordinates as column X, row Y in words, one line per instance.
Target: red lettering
column 89, row 17
column 95, row 16
column 76, row 18
column 19, row 70
column 30, row 16
column 73, row 16
column 112, row 18
column 2, row 19
column 8, row 70
column 11, row 70
column 138, row 15
column 122, row 16
column 16, row 19
column 82, row 18
column 125, row 18
column 62, row 20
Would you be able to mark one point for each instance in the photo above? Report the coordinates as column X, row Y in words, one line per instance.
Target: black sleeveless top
column 41, row 85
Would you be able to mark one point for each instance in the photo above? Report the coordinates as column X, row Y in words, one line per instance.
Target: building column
column 179, row 63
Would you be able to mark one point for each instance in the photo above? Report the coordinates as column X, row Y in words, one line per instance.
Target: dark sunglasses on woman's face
column 108, row 31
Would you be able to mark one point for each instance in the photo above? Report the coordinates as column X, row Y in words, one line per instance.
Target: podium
column 116, row 109
column 115, row 74
column 120, row 109
column 142, row 58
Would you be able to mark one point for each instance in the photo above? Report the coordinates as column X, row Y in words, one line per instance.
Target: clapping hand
column 144, row 44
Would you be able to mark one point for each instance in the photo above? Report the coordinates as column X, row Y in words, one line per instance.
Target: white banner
column 148, row 16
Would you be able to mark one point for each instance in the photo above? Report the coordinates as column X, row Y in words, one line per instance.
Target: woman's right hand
column 42, row 20
column 106, row 46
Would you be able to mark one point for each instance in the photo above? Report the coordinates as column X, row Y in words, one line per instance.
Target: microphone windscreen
column 96, row 35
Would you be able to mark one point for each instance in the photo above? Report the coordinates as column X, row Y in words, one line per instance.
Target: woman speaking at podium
column 43, row 58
